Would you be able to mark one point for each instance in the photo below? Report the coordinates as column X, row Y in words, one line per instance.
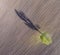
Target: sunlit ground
column 34, row 40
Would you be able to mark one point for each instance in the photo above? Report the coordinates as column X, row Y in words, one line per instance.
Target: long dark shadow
column 26, row 20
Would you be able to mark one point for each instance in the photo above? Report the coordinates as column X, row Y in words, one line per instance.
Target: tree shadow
column 27, row 21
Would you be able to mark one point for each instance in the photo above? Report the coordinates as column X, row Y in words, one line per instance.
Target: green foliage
column 45, row 38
